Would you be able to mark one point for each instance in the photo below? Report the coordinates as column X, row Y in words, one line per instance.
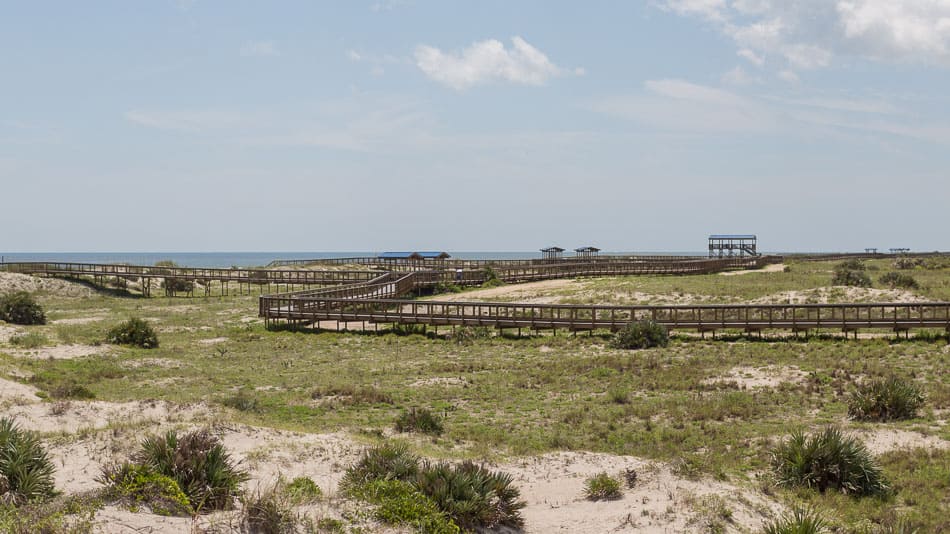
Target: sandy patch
column 17, row 392
column 175, row 308
column 164, row 363
column 72, row 416
column 6, row 332
column 770, row 268
column 521, row 292
column 761, row 377
column 212, row 341
column 79, row 320
column 888, row 439
column 826, row 295
column 13, row 282
column 661, row 502
column 440, row 381
column 60, row 352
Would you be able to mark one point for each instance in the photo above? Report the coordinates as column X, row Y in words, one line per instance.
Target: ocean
column 253, row 259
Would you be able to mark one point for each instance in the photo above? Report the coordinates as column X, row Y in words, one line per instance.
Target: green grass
column 506, row 396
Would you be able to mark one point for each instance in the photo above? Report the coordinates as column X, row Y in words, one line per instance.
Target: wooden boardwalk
column 379, row 301
column 143, row 275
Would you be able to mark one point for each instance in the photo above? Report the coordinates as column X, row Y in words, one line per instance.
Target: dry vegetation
column 691, row 428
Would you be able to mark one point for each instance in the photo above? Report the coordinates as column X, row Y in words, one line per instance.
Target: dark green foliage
column 400, row 503
column 602, row 487
column 885, row 400
column 199, row 463
column 798, row 521
column 642, row 334
column 851, row 273
column 173, row 285
column 464, row 335
column 383, row 462
column 134, row 332
column 899, row 280
column 419, row 420
column 20, row 308
column 472, row 496
column 136, row 485
column 828, row 460
column 26, row 471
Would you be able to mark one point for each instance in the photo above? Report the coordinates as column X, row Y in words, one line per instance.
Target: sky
column 198, row 125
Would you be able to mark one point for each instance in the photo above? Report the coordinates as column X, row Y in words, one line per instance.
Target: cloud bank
column 485, row 62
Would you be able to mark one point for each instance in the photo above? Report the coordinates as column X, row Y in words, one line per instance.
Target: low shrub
column 907, row 263
column 134, row 332
column 885, row 400
column 798, row 521
column 242, row 401
column 847, row 277
column 302, row 490
column 69, row 389
column 472, row 496
column 71, row 515
column 419, row 420
column 468, row 334
column 826, row 460
column 26, row 471
column 642, row 334
column 898, row 280
column 400, row 503
column 491, row 278
column 602, row 487
column 139, row 485
column 199, row 463
column 383, row 462
column 21, row 308
column 851, row 265
column 268, row 512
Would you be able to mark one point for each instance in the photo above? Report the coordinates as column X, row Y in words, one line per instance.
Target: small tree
column 21, row 308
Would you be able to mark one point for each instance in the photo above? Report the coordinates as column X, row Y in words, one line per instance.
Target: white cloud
column 487, row 61
column 789, row 76
column 791, row 36
column 259, row 49
column 353, row 55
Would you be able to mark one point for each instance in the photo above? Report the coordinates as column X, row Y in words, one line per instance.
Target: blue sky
column 200, row 125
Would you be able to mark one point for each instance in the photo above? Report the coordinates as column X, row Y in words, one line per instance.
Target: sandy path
column 527, row 290
column 770, row 268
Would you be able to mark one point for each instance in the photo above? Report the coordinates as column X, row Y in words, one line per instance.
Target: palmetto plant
column 26, row 471
column 826, row 460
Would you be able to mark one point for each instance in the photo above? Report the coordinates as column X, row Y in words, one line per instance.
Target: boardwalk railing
column 795, row 317
column 246, row 276
column 453, row 263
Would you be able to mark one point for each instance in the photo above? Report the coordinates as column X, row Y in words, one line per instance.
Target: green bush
column 885, row 400
column 303, row 490
column 134, row 332
column 400, row 503
column 798, row 521
column 139, row 485
column 899, row 280
column 419, row 420
column 851, row 273
column 26, row 471
column 851, row 278
column 827, row 460
column 20, row 308
column 642, row 334
column 472, row 496
column 383, row 462
column 490, row 278
column 242, row 401
column 602, row 487
column 199, row 463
